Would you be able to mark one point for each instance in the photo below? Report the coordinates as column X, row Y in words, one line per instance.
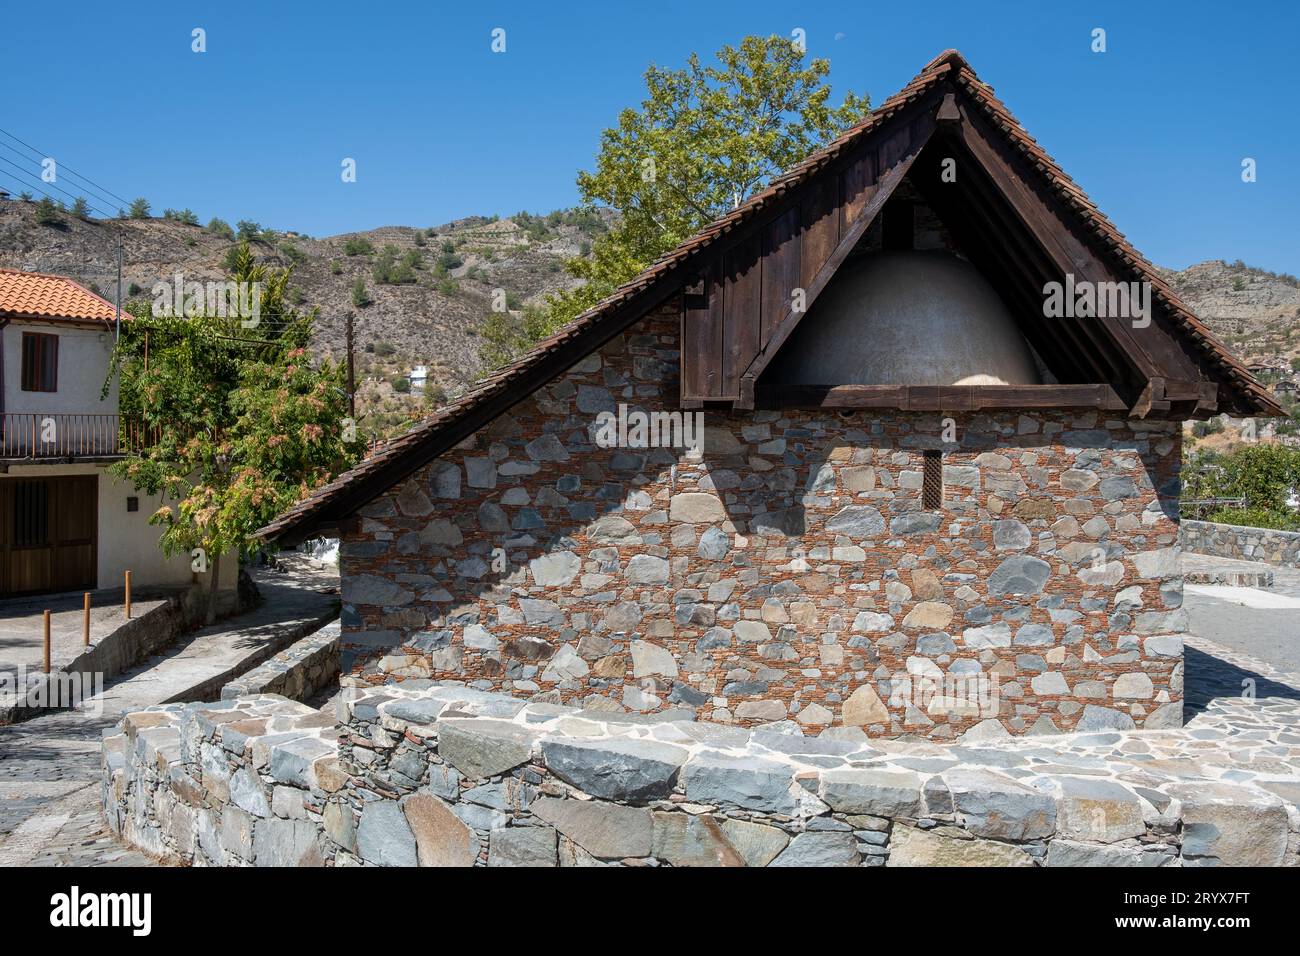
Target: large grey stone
column 1103, row 718
column 832, row 848
column 484, row 748
column 996, row 806
column 881, row 793
column 293, row 761
column 247, row 793
column 522, row 846
column 909, row 846
column 374, row 589
column 1100, row 811
column 1229, row 825
column 757, row 843
column 1074, row 853
column 750, row 782
column 383, row 836
column 1019, row 574
column 682, row 839
column 286, row 843
column 618, row 768
column 647, row 569
column 554, row 570
column 546, row 448
column 605, row 830
column 857, row 521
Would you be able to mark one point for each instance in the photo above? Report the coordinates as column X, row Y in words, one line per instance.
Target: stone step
column 1236, row 579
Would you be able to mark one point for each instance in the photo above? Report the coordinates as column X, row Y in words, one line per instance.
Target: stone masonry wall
column 449, row 776
column 1281, row 548
column 786, row 572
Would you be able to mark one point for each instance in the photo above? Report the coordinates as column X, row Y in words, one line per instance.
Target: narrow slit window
column 932, row 481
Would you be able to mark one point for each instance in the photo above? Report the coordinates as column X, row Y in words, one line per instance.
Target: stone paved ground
column 50, row 766
column 1263, row 624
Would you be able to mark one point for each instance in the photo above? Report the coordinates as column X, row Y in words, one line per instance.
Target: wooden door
column 48, row 534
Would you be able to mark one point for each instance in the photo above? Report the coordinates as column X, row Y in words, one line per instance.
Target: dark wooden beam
column 941, row 398
column 1058, row 231
column 919, row 134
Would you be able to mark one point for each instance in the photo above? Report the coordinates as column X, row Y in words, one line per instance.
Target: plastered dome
column 907, row 318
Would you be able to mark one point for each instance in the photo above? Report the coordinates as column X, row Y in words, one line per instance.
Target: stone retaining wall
column 133, row 641
column 297, row 672
column 448, row 776
column 1245, row 544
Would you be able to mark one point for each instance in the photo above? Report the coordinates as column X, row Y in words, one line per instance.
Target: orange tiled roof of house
column 37, row 295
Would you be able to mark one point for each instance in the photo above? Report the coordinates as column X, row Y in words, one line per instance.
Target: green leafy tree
column 242, row 423
column 139, row 208
column 360, row 296
column 219, row 227
column 706, row 138
column 47, row 213
column 1266, row 475
column 80, row 208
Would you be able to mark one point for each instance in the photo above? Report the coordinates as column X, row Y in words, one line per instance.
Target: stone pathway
column 50, row 765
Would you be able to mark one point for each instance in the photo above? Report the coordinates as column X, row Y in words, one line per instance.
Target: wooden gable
column 749, row 294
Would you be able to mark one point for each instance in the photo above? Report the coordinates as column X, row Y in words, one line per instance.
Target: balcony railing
column 33, row 435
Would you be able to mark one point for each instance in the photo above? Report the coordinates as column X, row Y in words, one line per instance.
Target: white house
column 66, row 524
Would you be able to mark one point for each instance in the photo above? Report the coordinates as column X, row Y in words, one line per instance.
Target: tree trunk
column 215, row 569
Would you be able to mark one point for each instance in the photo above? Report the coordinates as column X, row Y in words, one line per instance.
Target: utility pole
column 117, row 331
column 352, row 382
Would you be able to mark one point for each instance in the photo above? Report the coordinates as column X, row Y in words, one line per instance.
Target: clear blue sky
column 1155, row 129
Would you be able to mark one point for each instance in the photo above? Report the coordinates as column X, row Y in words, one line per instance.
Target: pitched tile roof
column 37, row 295
column 434, row 434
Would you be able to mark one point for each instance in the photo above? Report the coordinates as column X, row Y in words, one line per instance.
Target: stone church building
column 893, row 445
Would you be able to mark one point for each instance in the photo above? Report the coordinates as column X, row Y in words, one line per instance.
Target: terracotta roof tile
column 41, row 296
column 949, row 64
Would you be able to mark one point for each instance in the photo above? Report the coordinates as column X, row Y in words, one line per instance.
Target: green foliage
column 80, row 208
column 704, row 140
column 248, row 230
column 139, row 208
column 360, row 296
column 186, row 216
column 382, row 348
column 47, row 213
column 335, row 267
column 392, row 268
column 504, row 336
column 401, row 384
column 357, row 246
column 245, row 424
column 1238, row 283
column 219, row 227
column 1265, row 475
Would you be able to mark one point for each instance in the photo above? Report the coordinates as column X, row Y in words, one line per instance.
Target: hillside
column 430, row 321
column 433, row 319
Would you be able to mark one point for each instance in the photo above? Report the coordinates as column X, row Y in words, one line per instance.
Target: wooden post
column 85, row 620
column 128, row 595
column 47, row 642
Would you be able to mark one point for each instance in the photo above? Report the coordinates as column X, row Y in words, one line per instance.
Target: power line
column 68, row 168
column 26, row 159
column 41, row 188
